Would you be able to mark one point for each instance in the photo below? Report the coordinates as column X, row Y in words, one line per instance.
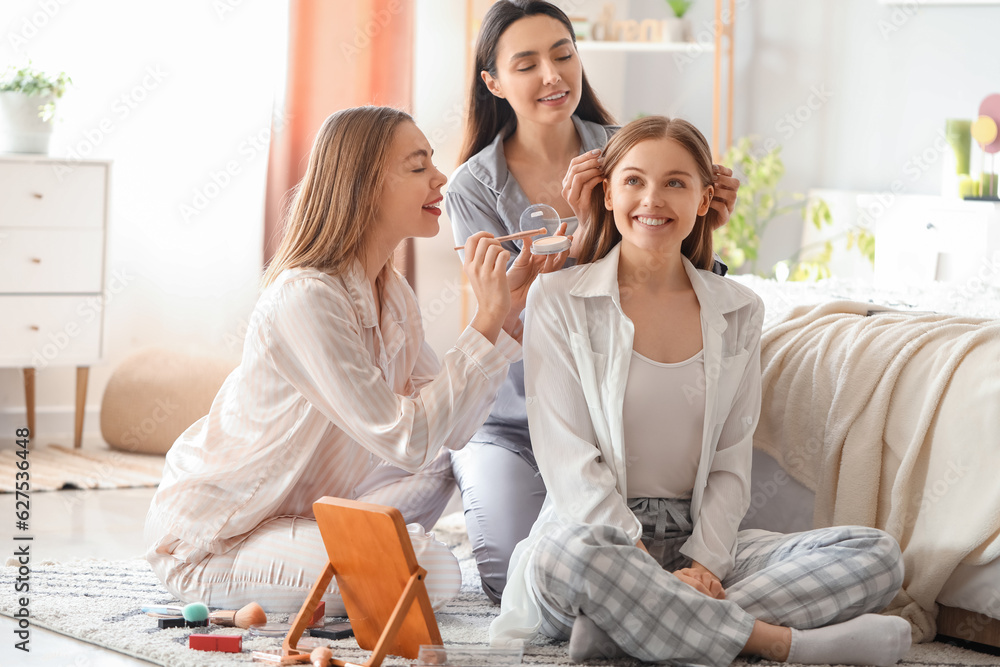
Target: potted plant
column 760, row 202
column 678, row 28
column 27, row 108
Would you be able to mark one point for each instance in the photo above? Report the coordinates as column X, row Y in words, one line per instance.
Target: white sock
column 869, row 639
column 588, row 641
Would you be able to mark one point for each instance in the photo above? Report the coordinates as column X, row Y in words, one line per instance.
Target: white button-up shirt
column 579, row 346
column 324, row 392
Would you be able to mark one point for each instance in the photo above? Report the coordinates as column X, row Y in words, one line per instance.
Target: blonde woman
column 642, row 378
column 337, row 393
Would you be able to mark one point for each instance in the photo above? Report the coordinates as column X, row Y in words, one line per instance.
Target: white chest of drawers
column 53, row 231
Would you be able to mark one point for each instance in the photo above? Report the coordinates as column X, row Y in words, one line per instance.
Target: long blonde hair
column 602, row 234
column 335, row 205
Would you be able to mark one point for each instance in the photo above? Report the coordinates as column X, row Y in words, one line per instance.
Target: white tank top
column 664, row 413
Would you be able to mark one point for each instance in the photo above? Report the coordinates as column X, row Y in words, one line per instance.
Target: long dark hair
column 602, row 234
column 488, row 114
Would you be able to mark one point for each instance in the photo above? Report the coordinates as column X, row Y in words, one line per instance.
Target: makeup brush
column 320, row 656
column 511, row 237
column 251, row 614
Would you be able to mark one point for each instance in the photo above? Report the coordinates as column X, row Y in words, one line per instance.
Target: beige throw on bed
column 894, row 421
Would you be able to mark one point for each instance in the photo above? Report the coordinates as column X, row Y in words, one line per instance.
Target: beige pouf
column 155, row 394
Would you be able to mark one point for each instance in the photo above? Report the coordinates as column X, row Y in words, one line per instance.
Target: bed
column 882, row 408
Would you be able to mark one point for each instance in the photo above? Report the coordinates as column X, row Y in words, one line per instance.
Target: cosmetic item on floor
column 196, row 612
column 320, row 657
column 269, row 629
column 194, row 615
column 167, row 610
column 244, row 617
column 486, row 656
column 276, row 655
column 550, row 245
column 221, row 643
column 319, row 616
column 340, row 630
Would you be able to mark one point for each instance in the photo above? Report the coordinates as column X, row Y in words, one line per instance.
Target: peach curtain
column 341, row 53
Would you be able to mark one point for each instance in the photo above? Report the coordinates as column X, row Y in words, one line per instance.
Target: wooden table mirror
column 369, row 551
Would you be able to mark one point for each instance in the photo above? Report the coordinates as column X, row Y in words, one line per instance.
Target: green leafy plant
column 760, row 202
column 34, row 82
column 680, row 7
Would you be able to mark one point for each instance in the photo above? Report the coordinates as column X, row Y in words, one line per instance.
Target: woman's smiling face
column 538, row 70
column 411, row 199
column 656, row 195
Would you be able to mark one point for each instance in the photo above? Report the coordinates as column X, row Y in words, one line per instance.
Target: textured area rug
column 99, row 602
column 57, row 467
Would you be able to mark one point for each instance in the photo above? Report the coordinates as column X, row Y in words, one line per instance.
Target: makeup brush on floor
column 251, row 614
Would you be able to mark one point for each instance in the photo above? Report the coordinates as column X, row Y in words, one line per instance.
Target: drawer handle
column 36, row 260
column 34, row 327
column 36, row 195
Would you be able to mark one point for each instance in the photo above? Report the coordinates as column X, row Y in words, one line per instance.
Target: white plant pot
column 21, row 129
column 676, row 30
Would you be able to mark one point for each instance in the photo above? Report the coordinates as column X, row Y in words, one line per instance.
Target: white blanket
column 894, row 421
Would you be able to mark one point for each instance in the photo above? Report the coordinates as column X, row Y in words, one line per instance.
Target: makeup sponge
column 195, row 612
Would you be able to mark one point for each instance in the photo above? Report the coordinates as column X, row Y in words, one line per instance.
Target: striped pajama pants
column 278, row 563
column 802, row 580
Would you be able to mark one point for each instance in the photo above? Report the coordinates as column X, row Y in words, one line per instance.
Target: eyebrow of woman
column 672, row 172
column 524, row 54
column 420, row 152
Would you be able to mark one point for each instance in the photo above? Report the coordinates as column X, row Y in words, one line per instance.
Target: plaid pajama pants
column 802, row 580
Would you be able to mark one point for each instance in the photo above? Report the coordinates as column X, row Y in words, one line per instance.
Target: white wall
column 891, row 74
column 439, row 85
column 854, row 91
column 173, row 93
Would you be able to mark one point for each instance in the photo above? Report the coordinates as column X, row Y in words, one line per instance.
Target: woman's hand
column 583, row 174
column 520, row 276
column 726, row 187
column 701, row 579
column 485, row 265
